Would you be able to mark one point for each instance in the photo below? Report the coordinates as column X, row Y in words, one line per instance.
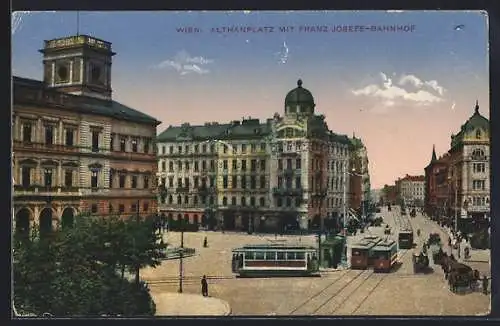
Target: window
column 262, row 165
column 68, row 178
column 27, row 132
column 163, row 149
column 186, row 166
column 280, row 182
column 262, row 181
column 279, row 202
column 110, row 208
column 49, row 135
column 224, row 149
column 243, row 165
column 186, row 199
column 224, row 164
column 280, row 256
column 243, row 181
column 298, row 183
column 262, row 201
column 179, row 199
column 288, row 202
column 298, row 201
column 196, row 166
column 69, row 137
column 93, row 208
column 224, row 182
column 122, row 181
column 146, row 182
column 170, row 182
column 179, row 182
column 253, row 182
column 280, row 164
column 212, row 182
column 235, row 182
column 298, row 163
column 270, row 255
column 290, row 256
column 253, row 165
column 478, row 153
column 235, row 164
column 478, row 184
column 133, row 208
column 134, row 145
column 179, row 165
column 263, row 147
column 203, row 165
column 186, row 149
column 170, row 166
column 243, row 148
column 47, row 177
column 289, row 163
column 121, row 208
column 253, row 148
column 171, row 149
column 249, row 255
column 233, row 201
column 203, row 148
column 179, row 149
column 170, row 199
column 212, row 200
column 195, row 200
column 212, row 165
column 478, row 134
column 95, row 141
column 186, row 182
column 112, row 142
column 196, row 182
column 243, row 201
column 212, row 148
column 478, row 167
column 252, row 201
column 224, row 201
column 147, row 144
column 163, row 165
column 145, row 207
column 93, row 179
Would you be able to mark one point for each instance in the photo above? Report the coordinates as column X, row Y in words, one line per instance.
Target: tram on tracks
column 275, row 260
column 405, row 238
column 361, row 252
column 384, row 256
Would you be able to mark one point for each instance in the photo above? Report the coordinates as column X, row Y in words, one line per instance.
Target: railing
column 20, row 145
column 277, row 191
column 44, row 190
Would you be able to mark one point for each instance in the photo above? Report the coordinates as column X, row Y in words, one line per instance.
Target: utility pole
column 137, row 268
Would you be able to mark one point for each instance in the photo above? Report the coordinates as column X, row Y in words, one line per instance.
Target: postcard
column 251, row 163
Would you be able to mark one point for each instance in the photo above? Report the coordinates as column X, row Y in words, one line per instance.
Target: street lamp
column 181, row 256
column 456, row 201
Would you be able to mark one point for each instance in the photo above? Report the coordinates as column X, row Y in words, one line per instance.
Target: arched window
column 170, row 199
column 224, row 201
column 477, row 153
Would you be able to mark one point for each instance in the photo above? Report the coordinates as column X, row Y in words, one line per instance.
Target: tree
column 74, row 271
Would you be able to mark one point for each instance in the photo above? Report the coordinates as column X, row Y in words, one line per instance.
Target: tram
column 384, row 255
column 405, row 239
column 361, row 252
column 275, row 260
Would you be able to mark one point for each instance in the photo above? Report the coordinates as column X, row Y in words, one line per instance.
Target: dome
column 476, row 121
column 299, row 97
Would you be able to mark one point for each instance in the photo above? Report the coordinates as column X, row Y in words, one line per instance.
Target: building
column 389, row 194
column 410, row 190
column 289, row 171
column 436, row 203
column 359, row 176
column 469, row 171
column 77, row 150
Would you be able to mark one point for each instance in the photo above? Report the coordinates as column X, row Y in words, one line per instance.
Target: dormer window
column 478, row 134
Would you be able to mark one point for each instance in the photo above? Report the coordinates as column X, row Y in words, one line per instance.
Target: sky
column 400, row 91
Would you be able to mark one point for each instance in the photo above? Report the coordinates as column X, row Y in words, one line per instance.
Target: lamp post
column 455, row 186
column 181, row 254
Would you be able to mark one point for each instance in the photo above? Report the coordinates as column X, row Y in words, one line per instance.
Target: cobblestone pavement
column 177, row 304
column 346, row 292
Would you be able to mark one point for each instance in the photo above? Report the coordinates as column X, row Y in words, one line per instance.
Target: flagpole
column 77, row 23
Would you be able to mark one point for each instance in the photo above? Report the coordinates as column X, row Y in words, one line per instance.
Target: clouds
column 409, row 90
column 185, row 64
column 17, row 19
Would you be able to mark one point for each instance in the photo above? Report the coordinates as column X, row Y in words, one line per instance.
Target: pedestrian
column 205, row 242
column 204, row 286
column 485, row 284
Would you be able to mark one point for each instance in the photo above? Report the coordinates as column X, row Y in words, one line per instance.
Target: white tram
column 275, row 260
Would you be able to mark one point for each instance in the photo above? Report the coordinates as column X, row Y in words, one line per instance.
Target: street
column 337, row 292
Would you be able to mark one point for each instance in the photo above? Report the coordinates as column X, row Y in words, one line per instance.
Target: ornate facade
column 411, row 189
column 359, row 176
column 286, row 172
column 75, row 149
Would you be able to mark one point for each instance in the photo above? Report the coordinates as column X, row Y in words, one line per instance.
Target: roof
column 413, row 178
column 384, row 245
column 79, row 103
column 299, row 95
column 275, row 246
column 474, row 122
column 249, row 128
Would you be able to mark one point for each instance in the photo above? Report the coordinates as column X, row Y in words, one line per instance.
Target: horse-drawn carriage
column 420, row 261
column 458, row 274
column 413, row 212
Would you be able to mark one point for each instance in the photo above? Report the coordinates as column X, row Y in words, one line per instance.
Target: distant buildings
column 289, row 171
column 410, row 190
column 388, row 195
column 75, row 148
column 463, row 174
column 360, row 177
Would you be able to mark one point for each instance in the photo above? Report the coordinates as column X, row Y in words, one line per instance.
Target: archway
column 45, row 221
column 68, row 218
column 23, row 217
column 195, row 219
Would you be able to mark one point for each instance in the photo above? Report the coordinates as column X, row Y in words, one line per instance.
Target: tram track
column 186, row 279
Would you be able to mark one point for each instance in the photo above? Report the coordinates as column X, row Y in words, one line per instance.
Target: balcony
column 39, row 190
column 45, row 148
column 181, row 189
column 133, row 156
column 204, row 190
column 290, row 172
column 277, row 191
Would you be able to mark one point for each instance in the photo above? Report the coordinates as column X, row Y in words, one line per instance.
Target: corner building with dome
column 286, row 173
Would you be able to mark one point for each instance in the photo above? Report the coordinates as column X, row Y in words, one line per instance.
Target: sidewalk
column 180, row 304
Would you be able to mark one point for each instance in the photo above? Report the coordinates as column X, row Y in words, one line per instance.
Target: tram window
column 270, row 255
column 299, row 255
column 290, row 255
column 280, row 255
column 249, row 255
column 381, row 255
column 259, row 255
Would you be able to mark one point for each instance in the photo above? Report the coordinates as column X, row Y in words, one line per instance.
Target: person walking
column 485, row 284
column 204, row 286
